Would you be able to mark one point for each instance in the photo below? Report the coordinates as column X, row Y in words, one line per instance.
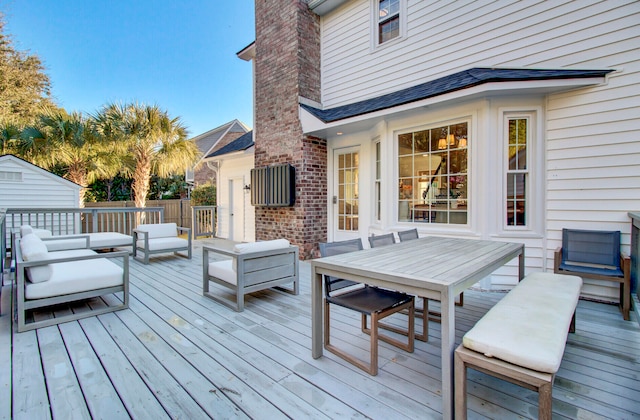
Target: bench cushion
column 159, row 230
column 529, row 326
column 261, row 246
column 77, row 276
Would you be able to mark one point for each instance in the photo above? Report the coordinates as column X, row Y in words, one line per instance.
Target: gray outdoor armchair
column 596, row 254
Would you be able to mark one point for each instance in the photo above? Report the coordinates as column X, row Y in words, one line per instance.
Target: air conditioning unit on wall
column 273, row 186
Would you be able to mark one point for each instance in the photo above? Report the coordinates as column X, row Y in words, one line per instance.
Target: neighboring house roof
column 206, row 142
column 241, row 143
column 451, row 83
column 28, row 165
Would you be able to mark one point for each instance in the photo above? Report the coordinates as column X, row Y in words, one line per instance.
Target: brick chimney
column 287, row 67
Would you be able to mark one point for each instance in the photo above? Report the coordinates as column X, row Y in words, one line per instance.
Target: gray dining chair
column 370, row 301
column 408, row 235
column 389, row 239
column 380, row 240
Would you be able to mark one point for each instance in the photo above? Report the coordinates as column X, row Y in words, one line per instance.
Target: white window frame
column 534, row 189
column 377, row 180
column 375, row 27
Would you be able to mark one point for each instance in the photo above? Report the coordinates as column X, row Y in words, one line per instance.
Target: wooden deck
column 176, row 354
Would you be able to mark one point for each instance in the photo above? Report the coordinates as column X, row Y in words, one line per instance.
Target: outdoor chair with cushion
column 369, row 301
column 47, row 278
column 596, row 254
column 252, row 267
column 160, row 238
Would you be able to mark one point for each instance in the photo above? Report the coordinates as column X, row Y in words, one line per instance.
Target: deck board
column 175, row 353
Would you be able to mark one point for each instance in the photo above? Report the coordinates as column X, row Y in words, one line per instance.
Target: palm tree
column 9, row 135
column 71, row 142
column 149, row 141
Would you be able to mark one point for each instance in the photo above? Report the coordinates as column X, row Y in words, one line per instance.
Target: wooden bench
column 253, row 266
column 522, row 338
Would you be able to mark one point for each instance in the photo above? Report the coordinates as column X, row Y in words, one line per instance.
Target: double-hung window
column 389, row 21
column 518, row 132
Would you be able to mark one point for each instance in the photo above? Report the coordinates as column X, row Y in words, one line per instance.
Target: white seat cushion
column 159, row 230
column 159, row 244
column 63, row 244
column 529, row 326
column 109, row 240
column 77, row 276
column 224, row 271
column 261, row 246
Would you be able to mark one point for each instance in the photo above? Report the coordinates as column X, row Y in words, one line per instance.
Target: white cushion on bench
column 76, row 276
column 261, row 246
column 158, row 244
column 64, row 244
column 529, row 326
column 224, row 270
column 34, row 249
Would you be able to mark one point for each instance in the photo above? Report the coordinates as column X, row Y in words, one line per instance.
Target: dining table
column 438, row 268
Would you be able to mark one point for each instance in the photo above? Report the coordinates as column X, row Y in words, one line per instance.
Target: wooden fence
column 175, row 211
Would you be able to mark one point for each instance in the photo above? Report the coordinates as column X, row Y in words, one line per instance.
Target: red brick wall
column 287, row 67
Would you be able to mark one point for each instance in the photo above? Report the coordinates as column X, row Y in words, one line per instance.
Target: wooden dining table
column 432, row 267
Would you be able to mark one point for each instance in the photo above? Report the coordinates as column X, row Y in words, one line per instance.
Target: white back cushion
column 261, row 246
column 160, row 230
column 34, row 249
column 41, row 233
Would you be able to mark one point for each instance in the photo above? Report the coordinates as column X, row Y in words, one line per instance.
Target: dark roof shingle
column 447, row 84
column 241, row 143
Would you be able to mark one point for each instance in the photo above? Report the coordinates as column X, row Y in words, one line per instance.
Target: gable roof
column 241, row 143
column 207, row 141
column 447, row 84
column 28, row 165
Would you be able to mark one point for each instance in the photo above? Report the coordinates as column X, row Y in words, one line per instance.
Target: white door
column 345, row 201
column 236, row 210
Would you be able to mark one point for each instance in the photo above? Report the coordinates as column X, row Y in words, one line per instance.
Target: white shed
column 25, row 185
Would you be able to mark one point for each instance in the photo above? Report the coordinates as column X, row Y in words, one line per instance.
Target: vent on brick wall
column 273, row 186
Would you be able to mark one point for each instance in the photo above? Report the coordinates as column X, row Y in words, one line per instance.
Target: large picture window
column 432, row 175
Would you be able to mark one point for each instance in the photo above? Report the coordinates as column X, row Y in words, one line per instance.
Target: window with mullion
column 517, row 171
column 388, row 20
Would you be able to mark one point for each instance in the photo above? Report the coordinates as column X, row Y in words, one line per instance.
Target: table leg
column 316, row 314
column 448, row 327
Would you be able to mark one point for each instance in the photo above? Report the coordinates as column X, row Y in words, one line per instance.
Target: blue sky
column 180, row 55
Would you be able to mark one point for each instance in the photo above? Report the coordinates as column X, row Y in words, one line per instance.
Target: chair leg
column 461, row 301
column 373, row 367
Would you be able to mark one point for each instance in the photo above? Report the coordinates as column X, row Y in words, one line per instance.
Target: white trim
column 535, row 208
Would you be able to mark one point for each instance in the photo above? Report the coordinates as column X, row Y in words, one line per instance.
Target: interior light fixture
column 442, row 144
column 462, row 142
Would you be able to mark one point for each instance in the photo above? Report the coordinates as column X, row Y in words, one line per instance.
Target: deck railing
column 203, row 221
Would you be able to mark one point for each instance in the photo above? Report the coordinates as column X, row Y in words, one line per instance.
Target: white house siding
column 235, row 166
column 590, row 176
column 37, row 189
column 445, row 37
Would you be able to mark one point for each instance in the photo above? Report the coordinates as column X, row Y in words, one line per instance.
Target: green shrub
column 203, row 195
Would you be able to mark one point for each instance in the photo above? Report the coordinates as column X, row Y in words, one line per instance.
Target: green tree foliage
column 69, row 141
column 24, row 86
column 203, row 195
column 168, row 188
column 149, row 142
